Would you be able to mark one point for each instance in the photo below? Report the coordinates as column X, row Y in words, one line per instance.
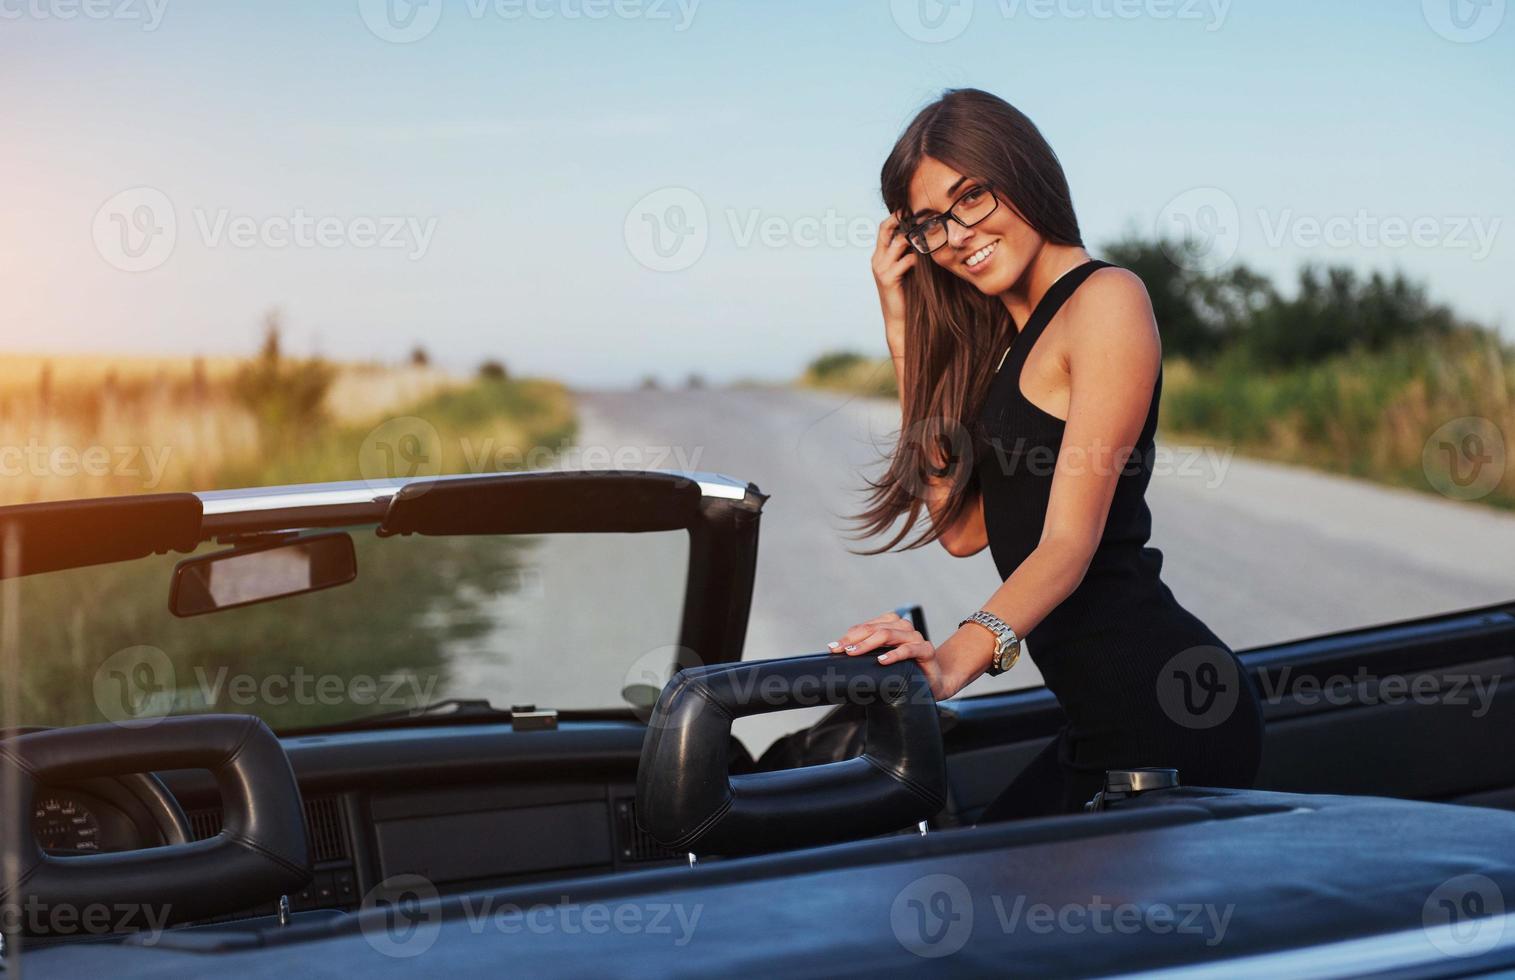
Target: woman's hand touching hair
column 893, row 258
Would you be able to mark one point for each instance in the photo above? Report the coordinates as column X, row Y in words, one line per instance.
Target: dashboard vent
column 328, row 835
column 636, row 844
column 323, row 823
column 204, row 824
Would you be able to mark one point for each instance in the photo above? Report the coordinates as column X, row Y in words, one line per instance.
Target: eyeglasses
column 972, row 206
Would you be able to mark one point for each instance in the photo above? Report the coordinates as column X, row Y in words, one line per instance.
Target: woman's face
column 994, row 254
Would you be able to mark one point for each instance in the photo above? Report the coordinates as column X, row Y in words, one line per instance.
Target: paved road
column 1262, row 552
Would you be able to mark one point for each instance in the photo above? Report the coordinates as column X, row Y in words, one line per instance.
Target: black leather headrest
column 260, row 853
column 687, row 800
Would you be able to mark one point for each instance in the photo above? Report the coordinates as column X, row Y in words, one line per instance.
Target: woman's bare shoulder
column 1112, row 310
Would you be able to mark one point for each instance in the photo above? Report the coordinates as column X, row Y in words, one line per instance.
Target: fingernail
column 850, row 647
column 883, row 658
column 833, row 644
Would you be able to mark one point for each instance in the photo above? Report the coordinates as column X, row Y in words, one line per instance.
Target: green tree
column 1199, row 313
column 1334, row 310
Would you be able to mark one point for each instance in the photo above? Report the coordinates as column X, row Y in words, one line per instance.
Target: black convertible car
column 182, row 800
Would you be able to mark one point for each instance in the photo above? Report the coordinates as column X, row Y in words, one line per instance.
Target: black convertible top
column 1179, row 877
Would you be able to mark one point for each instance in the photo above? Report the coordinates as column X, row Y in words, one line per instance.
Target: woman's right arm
column 892, row 260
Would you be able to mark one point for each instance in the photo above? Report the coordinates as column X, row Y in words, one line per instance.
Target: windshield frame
column 720, row 514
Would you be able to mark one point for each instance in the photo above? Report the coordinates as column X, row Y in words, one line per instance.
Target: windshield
column 562, row 621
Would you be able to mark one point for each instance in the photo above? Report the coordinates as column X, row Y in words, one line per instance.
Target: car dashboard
column 463, row 806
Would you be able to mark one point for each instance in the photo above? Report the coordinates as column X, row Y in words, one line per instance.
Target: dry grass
column 362, row 392
column 84, row 426
column 21, row 372
column 1436, row 414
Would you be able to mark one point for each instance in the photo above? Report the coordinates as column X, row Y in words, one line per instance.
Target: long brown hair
column 953, row 332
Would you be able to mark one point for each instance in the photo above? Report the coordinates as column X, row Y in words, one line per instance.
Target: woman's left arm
column 1113, row 355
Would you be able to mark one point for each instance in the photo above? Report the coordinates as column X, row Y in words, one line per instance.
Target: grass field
column 175, row 424
column 1427, row 414
column 95, row 426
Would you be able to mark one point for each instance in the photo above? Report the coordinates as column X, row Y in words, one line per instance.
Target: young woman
column 1029, row 378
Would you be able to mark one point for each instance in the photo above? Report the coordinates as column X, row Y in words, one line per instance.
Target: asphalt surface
column 1262, row 552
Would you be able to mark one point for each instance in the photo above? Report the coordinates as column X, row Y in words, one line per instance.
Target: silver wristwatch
column 1007, row 646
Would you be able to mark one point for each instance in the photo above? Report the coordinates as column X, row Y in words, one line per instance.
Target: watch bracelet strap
column 996, row 625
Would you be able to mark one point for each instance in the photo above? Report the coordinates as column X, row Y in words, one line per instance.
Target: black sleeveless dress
column 1141, row 680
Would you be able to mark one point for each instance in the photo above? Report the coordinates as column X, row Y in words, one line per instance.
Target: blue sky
column 490, row 188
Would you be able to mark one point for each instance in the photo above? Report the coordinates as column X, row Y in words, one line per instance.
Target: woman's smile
column 975, row 263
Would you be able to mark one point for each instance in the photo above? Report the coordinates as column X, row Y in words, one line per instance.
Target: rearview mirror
column 243, row 576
